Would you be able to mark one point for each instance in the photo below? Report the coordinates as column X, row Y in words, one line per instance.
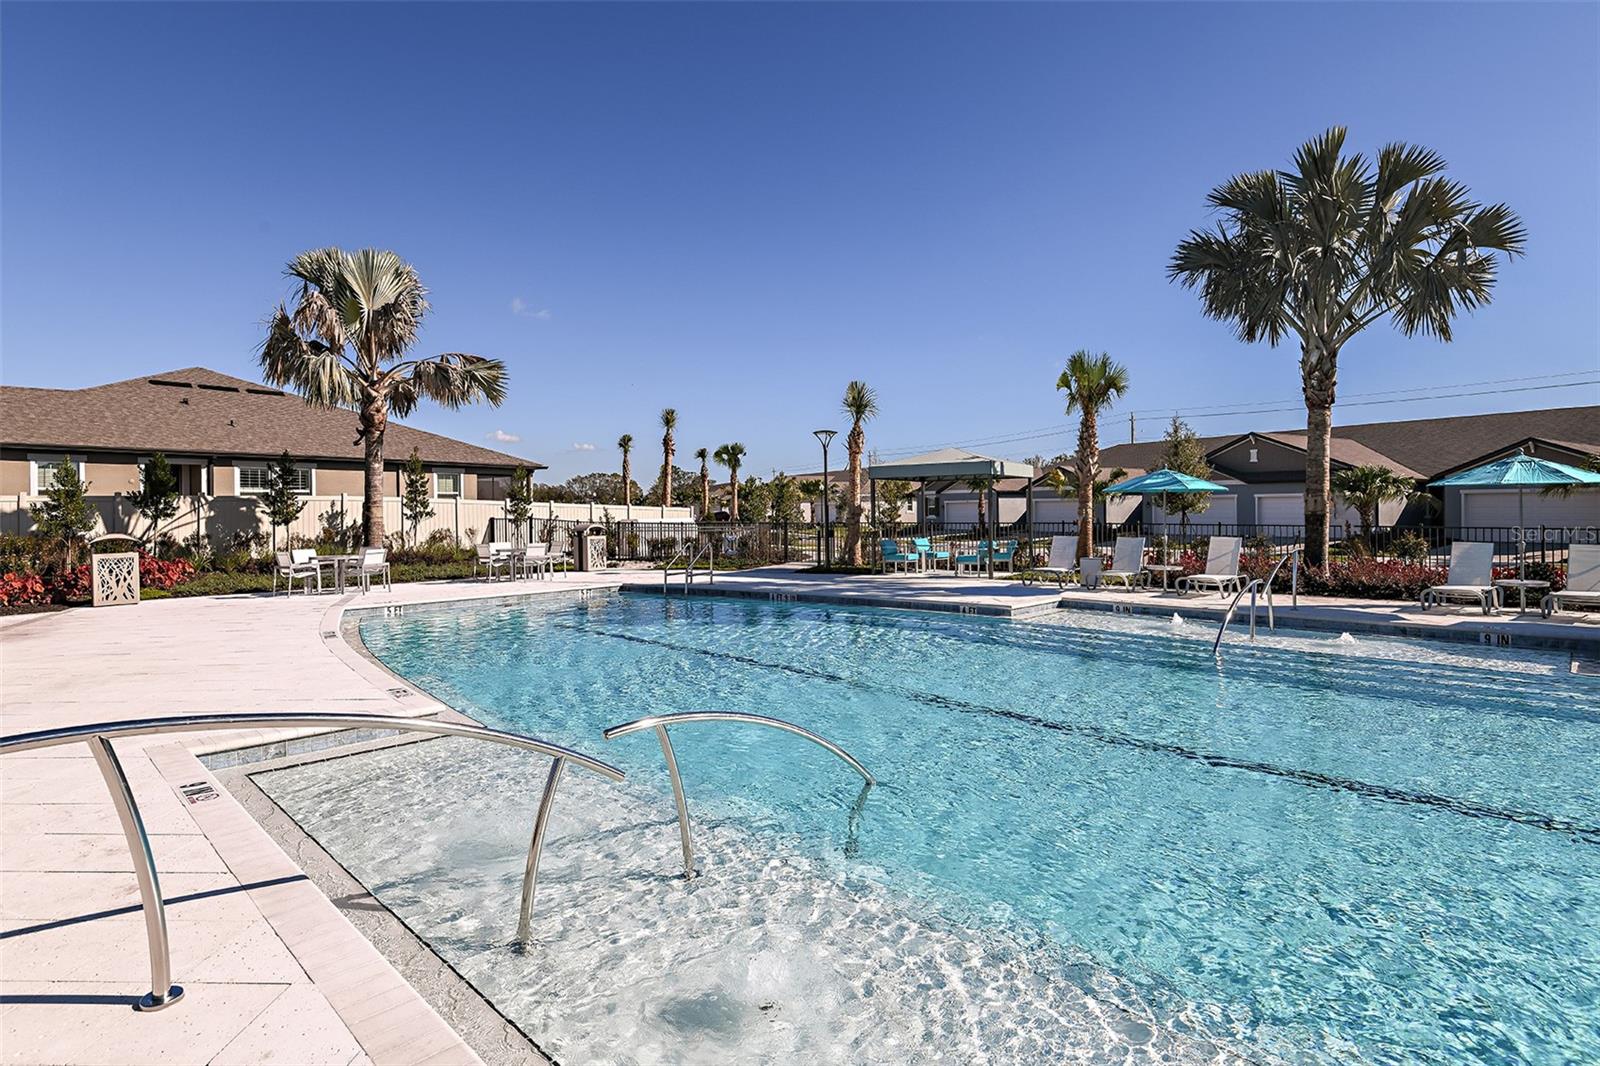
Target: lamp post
column 825, row 436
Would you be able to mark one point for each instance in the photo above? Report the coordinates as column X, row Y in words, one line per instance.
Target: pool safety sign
column 197, row 792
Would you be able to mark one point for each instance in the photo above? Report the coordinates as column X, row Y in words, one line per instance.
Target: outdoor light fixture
column 826, row 437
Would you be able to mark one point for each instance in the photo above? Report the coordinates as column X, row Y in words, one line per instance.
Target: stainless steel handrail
column 1257, row 585
column 163, row 993
column 660, row 722
column 708, row 549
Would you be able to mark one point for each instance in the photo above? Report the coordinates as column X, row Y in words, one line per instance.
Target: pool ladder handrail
column 163, row 993
column 660, row 722
column 1253, row 588
column 708, row 550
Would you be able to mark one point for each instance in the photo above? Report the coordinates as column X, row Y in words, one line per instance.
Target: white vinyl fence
column 220, row 518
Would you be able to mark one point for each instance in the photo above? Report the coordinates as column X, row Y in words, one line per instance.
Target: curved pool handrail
column 1256, row 585
column 685, row 717
column 660, row 722
column 198, row 723
column 98, row 736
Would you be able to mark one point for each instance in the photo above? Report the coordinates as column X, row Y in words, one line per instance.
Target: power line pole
column 1131, row 437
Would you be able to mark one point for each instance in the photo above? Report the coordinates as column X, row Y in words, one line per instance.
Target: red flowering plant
column 24, row 589
column 163, row 573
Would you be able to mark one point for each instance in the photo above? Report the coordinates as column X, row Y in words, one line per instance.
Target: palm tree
column 1326, row 249
column 811, row 489
column 357, row 313
column 669, row 422
column 860, row 403
column 1366, row 488
column 730, row 455
column 625, row 442
column 1092, row 383
column 705, row 482
column 981, row 486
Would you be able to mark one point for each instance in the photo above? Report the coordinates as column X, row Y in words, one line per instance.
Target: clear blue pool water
column 1320, row 851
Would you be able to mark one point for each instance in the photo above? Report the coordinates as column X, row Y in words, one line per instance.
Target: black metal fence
column 768, row 543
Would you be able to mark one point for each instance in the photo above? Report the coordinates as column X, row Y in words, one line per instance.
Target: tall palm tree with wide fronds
column 625, row 443
column 356, row 315
column 705, row 481
column 1367, row 488
column 669, row 422
column 730, row 456
column 1327, row 248
column 860, row 403
column 1092, row 383
column 981, row 487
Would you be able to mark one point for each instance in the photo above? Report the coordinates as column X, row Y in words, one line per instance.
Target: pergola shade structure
column 956, row 465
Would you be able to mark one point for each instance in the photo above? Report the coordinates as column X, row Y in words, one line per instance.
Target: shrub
column 1409, row 547
column 23, row 590
column 21, row 553
column 163, row 573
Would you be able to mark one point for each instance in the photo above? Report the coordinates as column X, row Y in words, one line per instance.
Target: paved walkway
column 273, row 972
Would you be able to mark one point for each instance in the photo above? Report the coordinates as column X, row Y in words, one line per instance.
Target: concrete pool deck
column 273, row 969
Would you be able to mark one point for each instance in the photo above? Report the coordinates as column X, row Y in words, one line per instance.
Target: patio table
column 339, row 563
column 1164, row 569
column 1522, row 585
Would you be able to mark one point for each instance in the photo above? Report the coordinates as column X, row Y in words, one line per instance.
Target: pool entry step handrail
column 1259, row 586
column 99, row 735
column 660, row 722
column 707, row 551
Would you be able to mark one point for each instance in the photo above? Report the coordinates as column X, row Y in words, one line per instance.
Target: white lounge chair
column 1471, row 578
column 1060, row 566
column 287, row 566
column 374, row 563
column 1222, row 568
column 1127, row 562
column 1583, row 581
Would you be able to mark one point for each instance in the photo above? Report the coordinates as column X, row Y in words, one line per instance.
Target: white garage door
column 1224, row 508
column 1275, row 509
column 1498, row 508
column 1278, row 510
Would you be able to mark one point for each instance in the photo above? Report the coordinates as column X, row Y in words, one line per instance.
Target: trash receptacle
column 589, row 548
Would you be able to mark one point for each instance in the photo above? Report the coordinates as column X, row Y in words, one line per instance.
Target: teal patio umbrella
column 1520, row 471
column 1160, row 483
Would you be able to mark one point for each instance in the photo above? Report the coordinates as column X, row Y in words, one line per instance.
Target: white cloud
column 522, row 309
column 500, row 436
column 583, row 447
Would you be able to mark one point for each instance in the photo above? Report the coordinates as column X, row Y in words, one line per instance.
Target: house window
column 42, row 472
column 254, row 479
column 447, row 482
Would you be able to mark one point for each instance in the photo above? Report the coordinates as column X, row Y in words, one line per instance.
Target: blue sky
column 734, row 210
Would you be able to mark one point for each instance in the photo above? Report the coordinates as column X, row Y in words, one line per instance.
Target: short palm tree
column 356, row 315
column 1367, row 488
column 705, row 482
column 860, row 403
column 1092, row 383
column 669, row 422
column 981, row 486
column 811, row 489
column 1326, row 249
column 625, row 443
column 730, row 456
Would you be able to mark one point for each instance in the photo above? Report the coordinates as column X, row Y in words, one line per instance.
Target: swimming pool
column 1089, row 839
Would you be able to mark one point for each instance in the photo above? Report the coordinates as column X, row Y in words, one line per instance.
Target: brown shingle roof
column 200, row 411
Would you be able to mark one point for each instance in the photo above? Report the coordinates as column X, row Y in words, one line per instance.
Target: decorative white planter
column 116, row 578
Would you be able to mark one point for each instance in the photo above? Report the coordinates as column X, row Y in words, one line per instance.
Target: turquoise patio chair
column 924, row 547
column 893, row 556
column 973, row 560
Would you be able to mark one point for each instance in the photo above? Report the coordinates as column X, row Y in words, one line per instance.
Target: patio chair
column 540, row 559
column 492, row 556
column 1127, row 563
column 1583, row 581
column 893, row 556
column 374, row 562
column 1060, row 565
column 1471, row 578
column 973, row 560
column 286, row 566
column 1004, row 553
column 924, row 547
column 1222, row 568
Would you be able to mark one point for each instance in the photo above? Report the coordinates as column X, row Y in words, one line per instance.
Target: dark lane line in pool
column 1312, row 778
